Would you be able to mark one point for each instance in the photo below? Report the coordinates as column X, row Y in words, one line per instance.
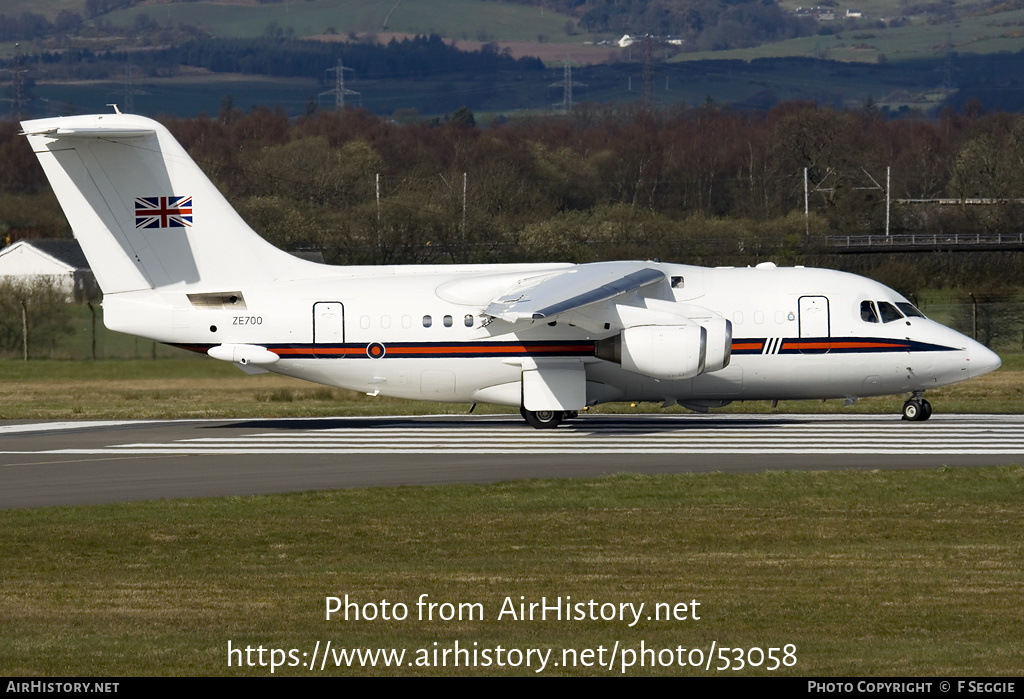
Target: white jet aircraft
column 177, row 265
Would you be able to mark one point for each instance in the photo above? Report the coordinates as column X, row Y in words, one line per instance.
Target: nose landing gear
column 916, row 408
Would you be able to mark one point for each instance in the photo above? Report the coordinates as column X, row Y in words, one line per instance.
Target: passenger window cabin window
column 888, row 312
column 468, row 320
column 447, row 321
column 427, row 321
column 867, row 312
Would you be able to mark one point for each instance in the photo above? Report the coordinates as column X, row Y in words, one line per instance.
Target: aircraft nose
column 981, row 360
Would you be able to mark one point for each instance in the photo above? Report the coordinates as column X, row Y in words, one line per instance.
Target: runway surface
column 56, row 463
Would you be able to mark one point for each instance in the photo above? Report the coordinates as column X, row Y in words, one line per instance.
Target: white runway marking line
column 734, row 436
column 30, row 427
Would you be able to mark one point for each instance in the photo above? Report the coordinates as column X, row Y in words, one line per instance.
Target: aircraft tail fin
column 146, row 216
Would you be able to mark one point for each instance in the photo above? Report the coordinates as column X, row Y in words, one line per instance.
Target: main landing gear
column 546, row 419
column 917, row 408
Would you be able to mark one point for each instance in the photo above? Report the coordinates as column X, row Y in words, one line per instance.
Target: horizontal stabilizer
column 95, row 132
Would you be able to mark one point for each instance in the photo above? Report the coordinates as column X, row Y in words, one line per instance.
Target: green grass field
column 47, row 8
column 194, row 386
column 908, row 573
column 994, row 33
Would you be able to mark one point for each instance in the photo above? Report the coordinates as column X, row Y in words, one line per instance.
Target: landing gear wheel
column 917, row 410
column 912, row 410
column 570, row 414
column 543, row 419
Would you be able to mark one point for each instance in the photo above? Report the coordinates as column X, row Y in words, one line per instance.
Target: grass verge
column 201, row 387
column 890, row 573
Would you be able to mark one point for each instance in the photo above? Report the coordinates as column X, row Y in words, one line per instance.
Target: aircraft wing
column 537, row 298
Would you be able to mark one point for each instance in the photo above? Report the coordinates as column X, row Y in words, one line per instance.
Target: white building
column 60, row 260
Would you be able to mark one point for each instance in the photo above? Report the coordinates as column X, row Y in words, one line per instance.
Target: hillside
column 188, row 57
column 556, row 29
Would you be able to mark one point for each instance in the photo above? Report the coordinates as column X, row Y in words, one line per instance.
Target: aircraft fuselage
column 178, row 265
column 421, row 333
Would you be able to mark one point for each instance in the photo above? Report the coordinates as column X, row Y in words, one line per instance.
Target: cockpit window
column 909, row 310
column 888, row 311
column 867, row 312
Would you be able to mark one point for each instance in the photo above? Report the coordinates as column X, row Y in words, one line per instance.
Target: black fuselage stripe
column 577, row 348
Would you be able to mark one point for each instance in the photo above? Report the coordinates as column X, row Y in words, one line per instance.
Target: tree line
column 432, row 76
column 32, row 25
column 414, row 58
column 705, row 185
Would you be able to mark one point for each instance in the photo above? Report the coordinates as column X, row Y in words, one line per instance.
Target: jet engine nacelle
column 667, row 352
column 719, row 347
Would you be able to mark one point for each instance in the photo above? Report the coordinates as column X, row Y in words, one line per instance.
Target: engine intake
column 668, row 352
column 719, row 343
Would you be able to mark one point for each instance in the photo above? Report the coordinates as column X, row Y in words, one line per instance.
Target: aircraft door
column 814, row 323
column 814, row 316
column 328, row 326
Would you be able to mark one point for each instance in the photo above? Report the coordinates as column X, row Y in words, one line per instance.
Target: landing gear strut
column 917, row 408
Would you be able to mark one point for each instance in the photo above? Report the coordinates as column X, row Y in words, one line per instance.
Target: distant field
column 993, row 33
column 525, row 30
column 552, row 52
column 473, row 20
column 379, row 8
column 527, row 27
column 48, row 8
column 466, row 19
column 872, row 8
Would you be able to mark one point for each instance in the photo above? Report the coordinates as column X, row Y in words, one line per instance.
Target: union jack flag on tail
column 163, row 212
